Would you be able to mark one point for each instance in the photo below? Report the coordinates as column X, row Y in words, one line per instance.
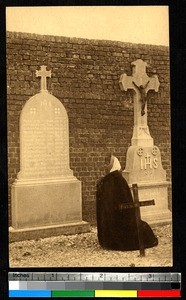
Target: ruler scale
column 86, row 284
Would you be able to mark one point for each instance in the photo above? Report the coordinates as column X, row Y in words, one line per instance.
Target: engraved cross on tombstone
column 141, row 83
column 43, row 73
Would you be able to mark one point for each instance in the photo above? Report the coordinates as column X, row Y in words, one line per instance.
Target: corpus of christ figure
column 143, row 95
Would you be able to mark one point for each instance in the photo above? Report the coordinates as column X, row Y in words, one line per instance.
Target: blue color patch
column 29, row 293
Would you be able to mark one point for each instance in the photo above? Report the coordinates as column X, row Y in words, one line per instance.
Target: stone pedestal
column 144, row 167
column 16, row 235
column 46, row 203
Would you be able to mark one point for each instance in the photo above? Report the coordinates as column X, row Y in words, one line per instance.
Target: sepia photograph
column 89, row 136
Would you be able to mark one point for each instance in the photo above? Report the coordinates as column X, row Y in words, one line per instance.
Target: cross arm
column 153, row 84
column 129, row 205
column 38, row 73
column 125, row 82
column 147, row 203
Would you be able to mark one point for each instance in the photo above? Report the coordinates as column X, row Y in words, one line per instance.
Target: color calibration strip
column 126, row 285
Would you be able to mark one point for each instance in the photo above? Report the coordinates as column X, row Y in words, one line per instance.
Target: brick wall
column 85, row 78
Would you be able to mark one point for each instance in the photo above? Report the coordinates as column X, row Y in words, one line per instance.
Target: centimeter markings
column 114, row 277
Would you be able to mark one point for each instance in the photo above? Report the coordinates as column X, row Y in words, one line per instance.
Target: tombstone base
column 144, row 167
column 159, row 214
column 16, row 235
column 159, row 219
column 46, row 203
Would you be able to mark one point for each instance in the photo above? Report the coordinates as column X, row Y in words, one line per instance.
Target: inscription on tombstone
column 146, row 163
column 44, row 139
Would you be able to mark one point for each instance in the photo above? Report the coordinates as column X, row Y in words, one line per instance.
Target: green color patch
column 72, row 293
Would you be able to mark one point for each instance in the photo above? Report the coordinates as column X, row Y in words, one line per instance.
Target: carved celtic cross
column 141, row 83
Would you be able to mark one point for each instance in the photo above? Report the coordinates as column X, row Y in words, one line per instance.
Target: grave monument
column 46, row 196
column 143, row 161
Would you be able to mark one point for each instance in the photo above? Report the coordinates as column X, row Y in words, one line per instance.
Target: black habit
column 117, row 230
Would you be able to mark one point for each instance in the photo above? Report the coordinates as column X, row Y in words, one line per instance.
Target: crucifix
column 137, row 204
column 140, row 83
column 43, row 73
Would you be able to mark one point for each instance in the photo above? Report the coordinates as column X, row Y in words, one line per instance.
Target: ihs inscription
column 148, row 160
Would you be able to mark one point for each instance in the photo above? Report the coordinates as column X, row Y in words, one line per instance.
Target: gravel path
column 83, row 250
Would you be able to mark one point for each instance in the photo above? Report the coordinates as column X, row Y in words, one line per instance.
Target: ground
column 83, row 250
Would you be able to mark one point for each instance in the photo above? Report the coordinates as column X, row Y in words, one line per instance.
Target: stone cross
column 141, row 83
column 43, row 73
column 136, row 205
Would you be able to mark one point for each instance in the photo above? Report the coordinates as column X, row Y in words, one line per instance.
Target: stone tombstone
column 143, row 161
column 44, row 139
column 45, row 193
